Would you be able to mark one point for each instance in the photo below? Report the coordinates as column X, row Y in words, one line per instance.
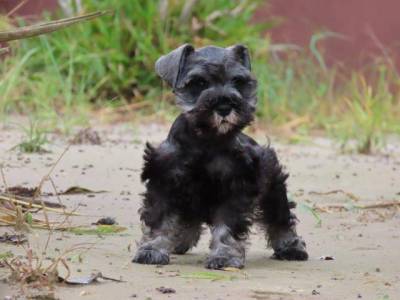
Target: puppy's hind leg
column 276, row 216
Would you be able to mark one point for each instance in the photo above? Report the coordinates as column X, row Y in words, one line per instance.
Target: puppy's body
column 208, row 172
column 199, row 176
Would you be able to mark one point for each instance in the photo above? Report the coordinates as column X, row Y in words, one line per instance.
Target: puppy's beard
column 224, row 124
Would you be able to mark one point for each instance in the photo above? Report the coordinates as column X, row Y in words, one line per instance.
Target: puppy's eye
column 240, row 82
column 197, row 84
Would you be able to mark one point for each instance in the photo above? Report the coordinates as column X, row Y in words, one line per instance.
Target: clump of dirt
column 23, row 191
column 106, row 221
column 87, row 136
column 15, row 239
column 165, row 290
column 30, row 273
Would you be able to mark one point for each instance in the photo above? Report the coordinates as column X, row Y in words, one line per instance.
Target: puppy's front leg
column 171, row 236
column 279, row 221
column 229, row 231
column 226, row 250
column 156, row 243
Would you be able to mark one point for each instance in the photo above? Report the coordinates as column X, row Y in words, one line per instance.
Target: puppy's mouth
column 224, row 124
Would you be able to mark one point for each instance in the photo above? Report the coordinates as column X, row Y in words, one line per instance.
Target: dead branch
column 328, row 208
column 47, row 27
column 187, row 11
column 348, row 194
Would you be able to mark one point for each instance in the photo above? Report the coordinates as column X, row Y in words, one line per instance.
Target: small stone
column 314, row 292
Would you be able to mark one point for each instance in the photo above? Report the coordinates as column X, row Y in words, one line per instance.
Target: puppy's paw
column 293, row 249
column 151, row 257
column 221, row 262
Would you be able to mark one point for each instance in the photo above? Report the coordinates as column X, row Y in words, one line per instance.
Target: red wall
column 357, row 20
column 30, row 8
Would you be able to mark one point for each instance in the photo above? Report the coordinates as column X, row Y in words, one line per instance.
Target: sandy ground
column 364, row 243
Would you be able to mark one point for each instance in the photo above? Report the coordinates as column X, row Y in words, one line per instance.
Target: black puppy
column 208, row 171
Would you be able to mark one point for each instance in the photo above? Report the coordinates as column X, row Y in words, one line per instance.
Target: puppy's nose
column 223, row 109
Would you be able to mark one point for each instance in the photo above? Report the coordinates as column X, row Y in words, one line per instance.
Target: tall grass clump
column 111, row 59
column 301, row 92
column 368, row 111
column 110, row 62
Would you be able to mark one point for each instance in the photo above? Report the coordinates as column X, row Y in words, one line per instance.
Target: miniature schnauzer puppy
column 208, row 172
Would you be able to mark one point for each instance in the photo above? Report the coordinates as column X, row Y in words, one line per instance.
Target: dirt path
column 365, row 243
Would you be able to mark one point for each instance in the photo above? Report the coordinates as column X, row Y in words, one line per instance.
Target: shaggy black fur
column 208, row 171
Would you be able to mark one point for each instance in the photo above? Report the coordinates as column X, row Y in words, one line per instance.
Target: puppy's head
column 214, row 86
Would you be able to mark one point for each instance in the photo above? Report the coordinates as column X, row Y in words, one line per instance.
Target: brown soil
column 364, row 243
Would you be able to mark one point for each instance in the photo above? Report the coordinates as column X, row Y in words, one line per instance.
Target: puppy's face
column 214, row 86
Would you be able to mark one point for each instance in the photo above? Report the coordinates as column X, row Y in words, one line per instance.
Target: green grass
column 357, row 109
column 97, row 230
column 34, row 139
column 213, row 276
column 5, row 255
column 307, row 208
column 59, row 78
column 369, row 112
column 111, row 58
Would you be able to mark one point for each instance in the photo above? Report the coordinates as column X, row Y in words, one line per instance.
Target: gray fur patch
column 226, row 251
column 172, row 236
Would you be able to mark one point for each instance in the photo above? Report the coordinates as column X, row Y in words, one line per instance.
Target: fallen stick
column 379, row 205
column 348, row 194
column 363, row 206
column 3, row 50
column 47, row 27
column 48, row 204
column 29, row 203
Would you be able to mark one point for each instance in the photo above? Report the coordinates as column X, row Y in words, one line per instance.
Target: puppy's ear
column 170, row 66
column 241, row 53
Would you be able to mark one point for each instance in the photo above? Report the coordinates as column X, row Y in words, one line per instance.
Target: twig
column 379, row 205
column 28, row 203
column 350, row 195
column 17, row 7
column 43, row 28
column 163, row 9
column 327, row 208
column 4, row 50
column 293, row 124
column 125, row 108
column 187, row 11
column 29, row 200
column 3, row 178
column 382, row 48
column 46, row 177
